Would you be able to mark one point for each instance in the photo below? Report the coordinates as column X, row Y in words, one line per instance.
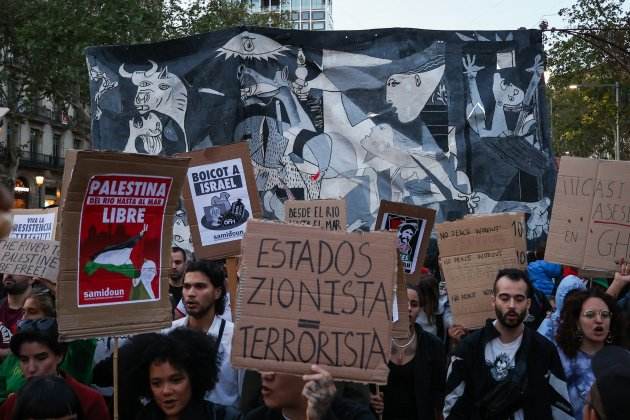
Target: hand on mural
column 472, row 200
column 301, row 89
column 538, row 66
column 470, row 67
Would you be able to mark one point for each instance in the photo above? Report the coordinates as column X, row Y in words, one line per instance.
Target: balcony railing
column 36, row 160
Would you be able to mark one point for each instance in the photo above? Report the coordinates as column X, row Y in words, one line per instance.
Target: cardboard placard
column 326, row 214
column 34, row 224
column 307, row 295
column 472, row 250
column 220, row 197
column 400, row 327
column 30, row 257
column 115, row 234
column 590, row 223
column 413, row 225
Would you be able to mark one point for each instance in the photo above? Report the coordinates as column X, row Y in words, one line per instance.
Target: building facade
column 44, row 135
column 313, row 15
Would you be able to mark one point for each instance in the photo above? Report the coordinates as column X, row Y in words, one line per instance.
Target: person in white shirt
column 204, row 295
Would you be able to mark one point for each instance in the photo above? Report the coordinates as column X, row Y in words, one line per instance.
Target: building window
column 306, row 4
column 254, row 5
column 77, row 144
column 319, row 26
column 319, row 15
column 318, row 4
column 306, row 15
column 20, row 194
column 295, row 4
column 296, row 25
column 35, row 141
column 295, row 15
column 306, row 25
column 56, row 151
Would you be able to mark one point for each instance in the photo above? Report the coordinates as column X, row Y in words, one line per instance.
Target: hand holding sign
column 319, row 391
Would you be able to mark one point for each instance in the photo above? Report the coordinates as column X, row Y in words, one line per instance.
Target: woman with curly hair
column 173, row 372
column 589, row 320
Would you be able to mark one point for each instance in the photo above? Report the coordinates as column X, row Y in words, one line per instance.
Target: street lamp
column 616, row 87
column 39, row 180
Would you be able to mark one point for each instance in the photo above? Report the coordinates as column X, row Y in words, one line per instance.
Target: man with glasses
column 505, row 370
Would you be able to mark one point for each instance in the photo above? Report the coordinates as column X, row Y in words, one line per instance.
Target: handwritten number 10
column 518, row 228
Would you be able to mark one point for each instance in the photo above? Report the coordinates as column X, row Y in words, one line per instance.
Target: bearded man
column 204, row 295
column 504, row 370
column 17, row 289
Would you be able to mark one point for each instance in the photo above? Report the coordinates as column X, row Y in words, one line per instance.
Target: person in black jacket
column 504, row 370
column 417, row 371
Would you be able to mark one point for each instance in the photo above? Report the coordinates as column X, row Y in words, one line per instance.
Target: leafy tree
column 594, row 51
column 42, row 44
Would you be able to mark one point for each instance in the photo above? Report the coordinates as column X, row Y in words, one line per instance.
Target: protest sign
column 400, row 327
column 34, row 224
column 30, row 257
column 413, row 225
column 115, row 242
column 307, row 295
column 221, row 197
column 472, row 250
column 327, row 214
column 590, row 223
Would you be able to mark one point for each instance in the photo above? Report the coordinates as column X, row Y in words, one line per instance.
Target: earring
column 579, row 334
column 609, row 339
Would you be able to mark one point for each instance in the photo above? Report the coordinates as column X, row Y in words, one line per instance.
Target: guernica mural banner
column 454, row 121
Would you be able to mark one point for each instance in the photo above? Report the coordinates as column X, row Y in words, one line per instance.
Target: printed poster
column 120, row 239
column 221, row 201
column 34, row 224
column 410, row 231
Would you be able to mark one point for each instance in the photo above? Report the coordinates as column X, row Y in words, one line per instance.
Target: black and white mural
column 455, row 121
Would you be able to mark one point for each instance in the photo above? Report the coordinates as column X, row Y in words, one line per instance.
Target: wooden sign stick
column 232, row 286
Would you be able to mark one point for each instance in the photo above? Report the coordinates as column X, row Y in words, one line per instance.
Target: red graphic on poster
column 120, row 239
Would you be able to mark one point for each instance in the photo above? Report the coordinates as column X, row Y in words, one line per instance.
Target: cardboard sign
column 30, row 257
column 308, row 295
column 220, row 196
column 327, row 214
column 34, row 224
column 400, row 327
column 413, row 225
column 590, row 223
column 115, row 242
column 472, row 250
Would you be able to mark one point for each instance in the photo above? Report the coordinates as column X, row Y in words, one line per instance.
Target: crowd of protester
column 556, row 348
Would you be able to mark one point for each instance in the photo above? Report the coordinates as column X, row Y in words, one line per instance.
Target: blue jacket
column 542, row 273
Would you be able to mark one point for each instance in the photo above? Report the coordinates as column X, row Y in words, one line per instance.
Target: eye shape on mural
column 163, row 86
column 248, row 44
column 243, row 46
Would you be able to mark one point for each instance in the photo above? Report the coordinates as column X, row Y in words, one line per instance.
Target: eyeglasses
column 591, row 314
column 45, row 325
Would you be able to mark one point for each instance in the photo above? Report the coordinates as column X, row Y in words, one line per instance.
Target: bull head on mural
column 159, row 91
